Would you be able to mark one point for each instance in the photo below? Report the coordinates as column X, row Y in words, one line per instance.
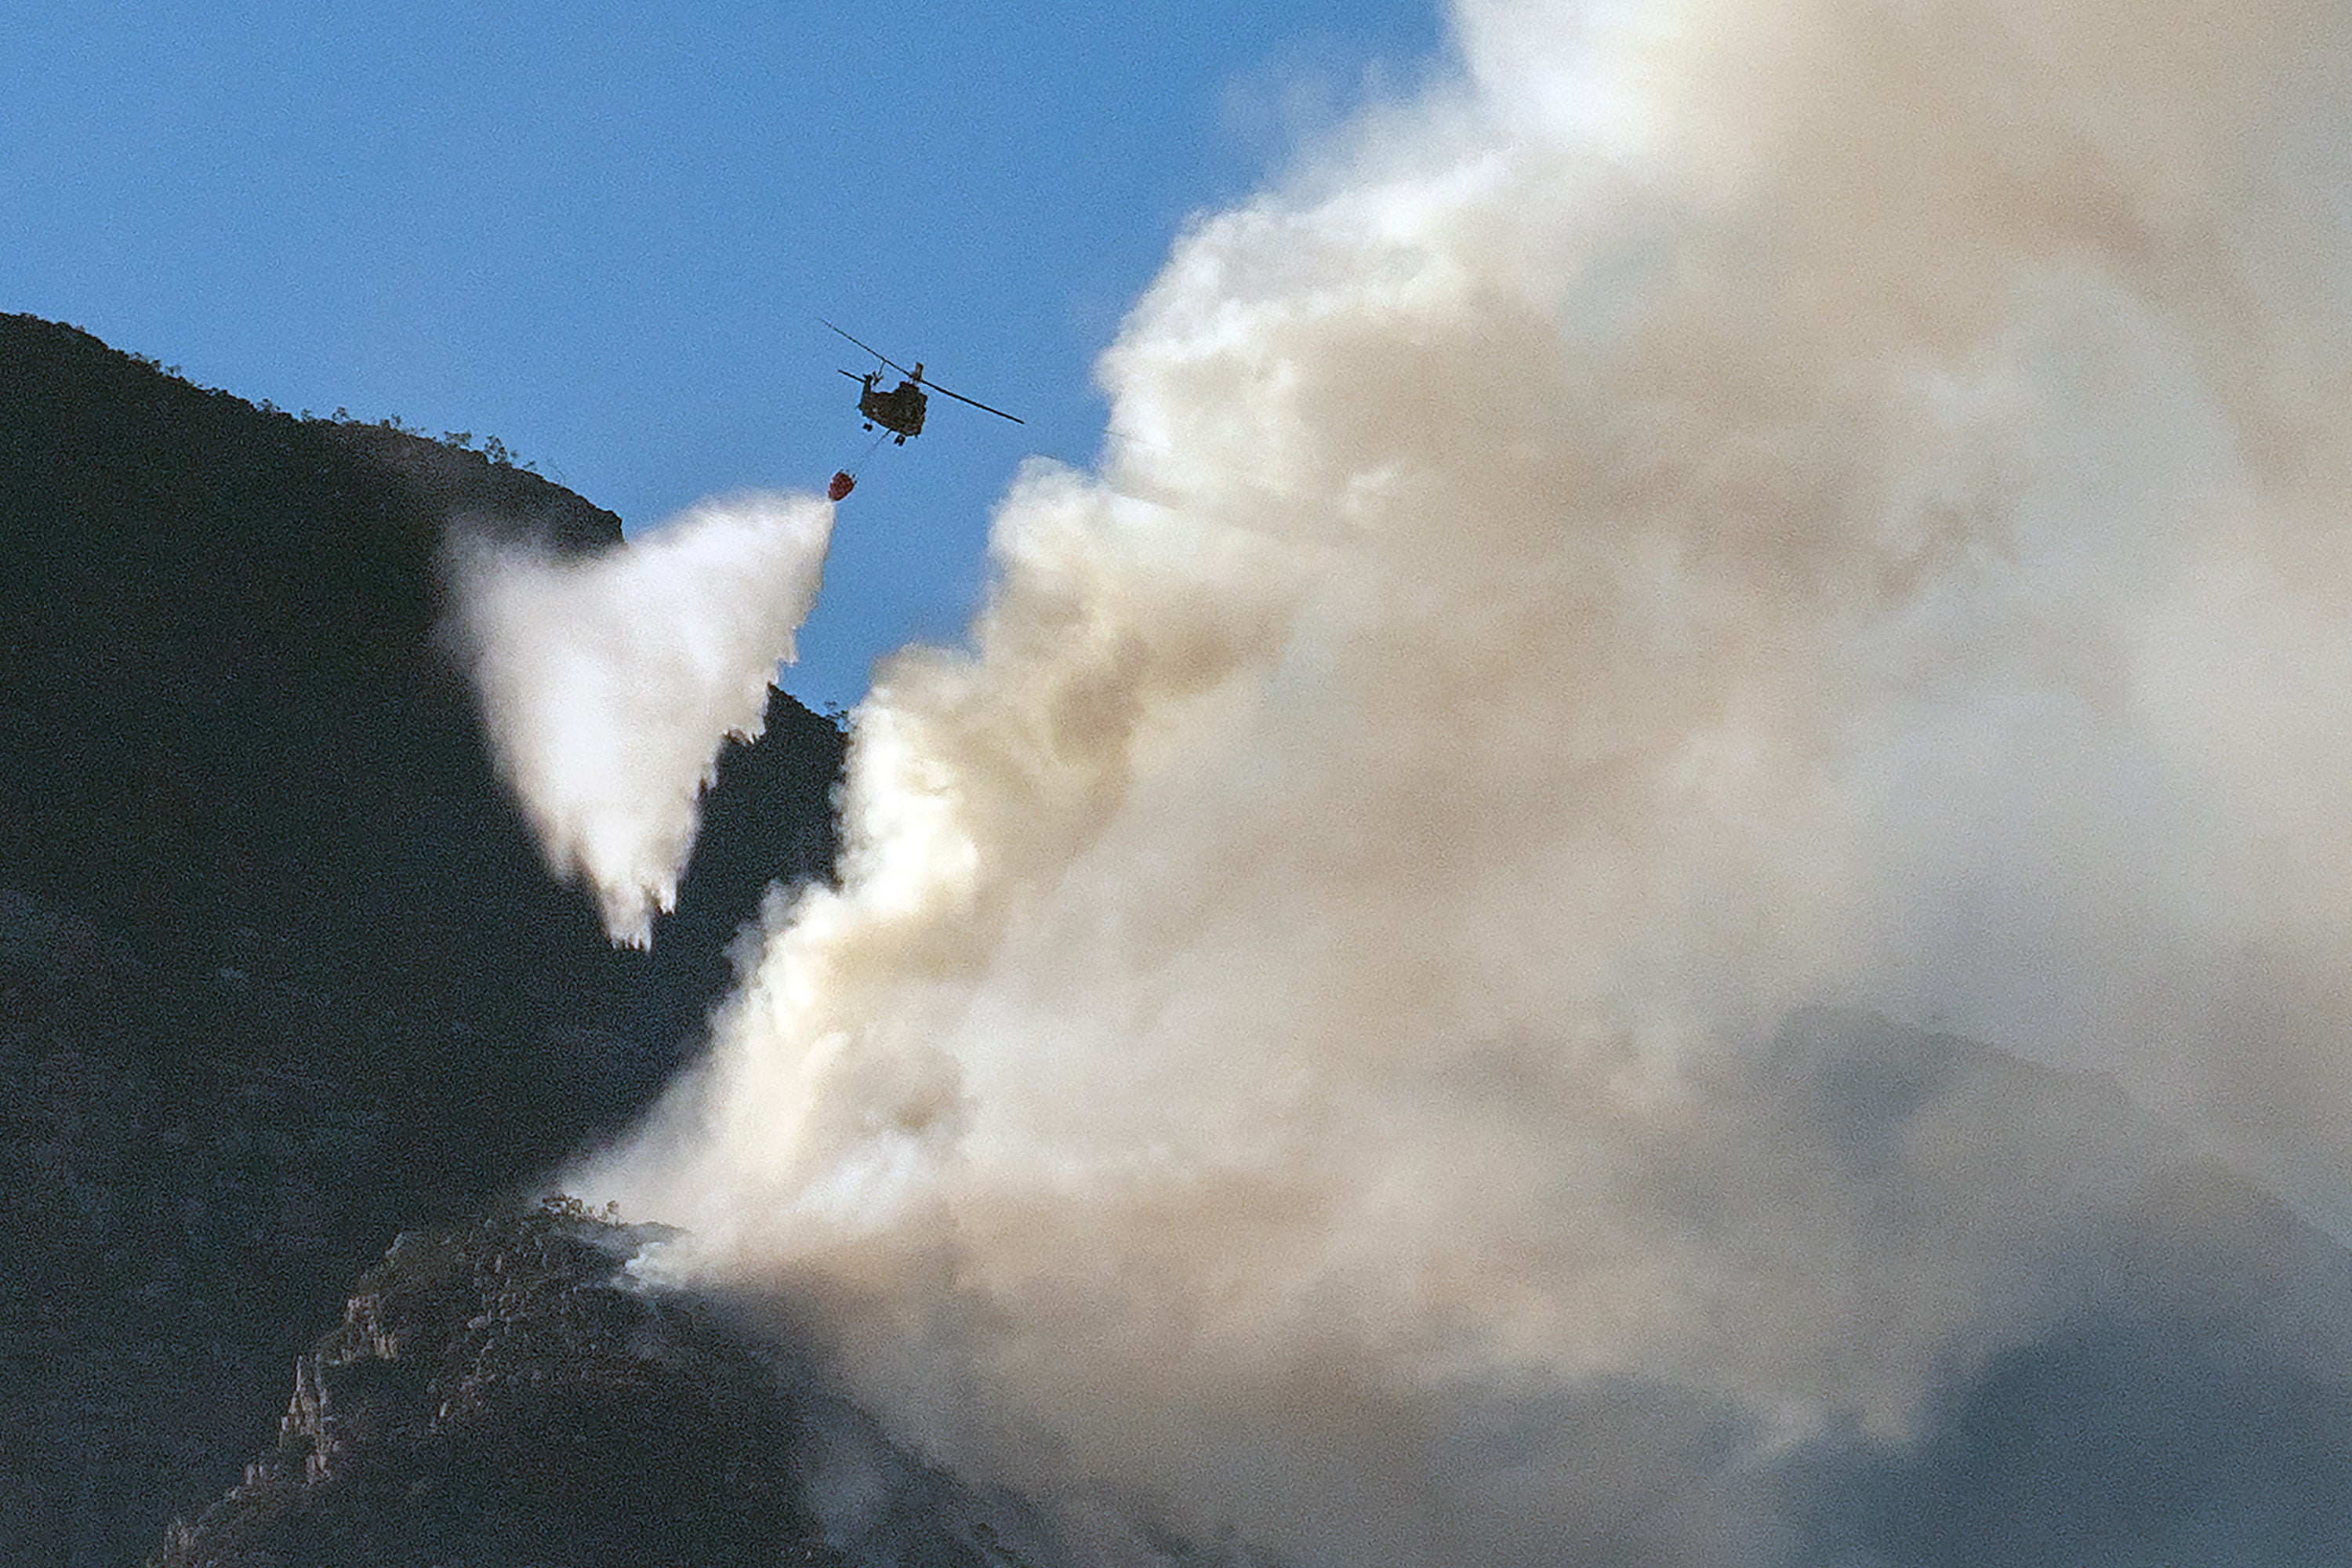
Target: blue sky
column 605, row 233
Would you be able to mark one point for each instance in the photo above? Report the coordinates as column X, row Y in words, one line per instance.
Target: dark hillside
column 225, row 721
column 281, row 969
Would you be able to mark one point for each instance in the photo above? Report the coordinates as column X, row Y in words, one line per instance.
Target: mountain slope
column 281, row 970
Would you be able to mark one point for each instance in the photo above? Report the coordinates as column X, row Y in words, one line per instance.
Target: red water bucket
column 842, row 483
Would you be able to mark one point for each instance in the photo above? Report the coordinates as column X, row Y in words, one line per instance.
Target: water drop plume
column 1713, row 522
column 609, row 684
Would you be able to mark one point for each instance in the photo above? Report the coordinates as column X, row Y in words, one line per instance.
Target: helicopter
column 899, row 409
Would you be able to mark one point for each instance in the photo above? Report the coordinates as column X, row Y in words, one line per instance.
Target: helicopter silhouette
column 899, row 409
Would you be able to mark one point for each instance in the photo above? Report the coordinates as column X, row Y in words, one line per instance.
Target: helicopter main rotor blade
column 917, row 379
column 877, row 353
column 975, row 401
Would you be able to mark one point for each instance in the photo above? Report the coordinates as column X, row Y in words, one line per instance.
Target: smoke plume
column 1403, row 998
column 610, row 684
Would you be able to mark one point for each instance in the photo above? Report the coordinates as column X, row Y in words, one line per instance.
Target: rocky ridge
column 496, row 1394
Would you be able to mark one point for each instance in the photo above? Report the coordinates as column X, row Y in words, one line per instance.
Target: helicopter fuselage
column 899, row 410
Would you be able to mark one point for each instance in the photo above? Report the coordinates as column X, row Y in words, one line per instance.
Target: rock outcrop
column 497, row 1393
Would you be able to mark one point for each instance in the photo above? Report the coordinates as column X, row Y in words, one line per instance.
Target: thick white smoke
column 1719, row 511
column 609, row 684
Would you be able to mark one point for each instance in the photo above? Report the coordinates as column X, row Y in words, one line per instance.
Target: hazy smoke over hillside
column 1716, row 509
column 610, row 684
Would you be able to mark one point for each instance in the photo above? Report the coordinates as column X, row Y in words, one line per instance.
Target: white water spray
column 610, row 684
